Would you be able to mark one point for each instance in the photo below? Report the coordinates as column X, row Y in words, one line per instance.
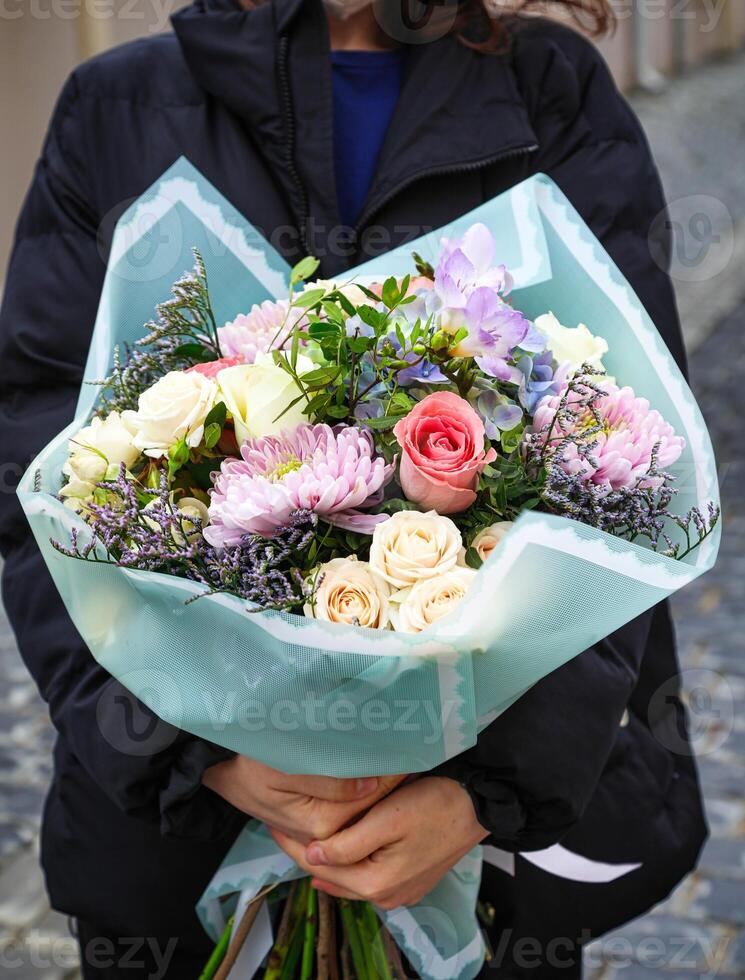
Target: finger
column 289, row 845
column 353, row 844
column 344, row 878
column 335, row 891
column 329, row 789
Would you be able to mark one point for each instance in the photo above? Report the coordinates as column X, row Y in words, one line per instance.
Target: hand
column 305, row 808
column 399, row 850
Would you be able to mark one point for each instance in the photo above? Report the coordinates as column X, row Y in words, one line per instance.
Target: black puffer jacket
column 130, row 838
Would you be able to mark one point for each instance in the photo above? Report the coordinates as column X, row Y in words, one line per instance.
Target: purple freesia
column 469, row 293
column 470, row 260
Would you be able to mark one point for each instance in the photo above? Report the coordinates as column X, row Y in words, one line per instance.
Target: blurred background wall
column 41, row 41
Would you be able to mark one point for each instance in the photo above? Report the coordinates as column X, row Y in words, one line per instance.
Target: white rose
column 414, row 609
column 410, row 546
column 174, row 408
column 489, row 537
column 103, row 443
column 258, row 397
column 574, row 346
column 348, row 592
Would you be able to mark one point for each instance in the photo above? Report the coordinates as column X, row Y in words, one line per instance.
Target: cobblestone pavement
column 700, row 930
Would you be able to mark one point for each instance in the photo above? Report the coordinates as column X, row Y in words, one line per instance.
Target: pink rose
column 442, row 442
column 210, row 369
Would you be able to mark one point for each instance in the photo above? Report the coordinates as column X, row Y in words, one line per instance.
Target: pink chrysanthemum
column 333, row 472
column 624, row 446
column 266, row 325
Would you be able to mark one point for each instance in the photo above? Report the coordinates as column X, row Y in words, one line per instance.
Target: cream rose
column 259, row 396
column 574, row 346
column 414, row 609
column 410, row 546
column 103, row 443
column 489, row 537
column 348, row 592
column 174, row 408
column 77, row 494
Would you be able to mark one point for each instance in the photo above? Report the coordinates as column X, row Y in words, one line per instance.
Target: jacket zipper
column 442, row 171
column 303, row 209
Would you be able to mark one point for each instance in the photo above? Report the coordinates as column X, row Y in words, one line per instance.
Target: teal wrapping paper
column 312, row 697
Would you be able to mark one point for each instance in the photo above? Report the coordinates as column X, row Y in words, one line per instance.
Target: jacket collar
column 457, row 108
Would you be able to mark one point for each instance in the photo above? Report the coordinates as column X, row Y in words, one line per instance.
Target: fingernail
column 315, row 854
column 366, row 786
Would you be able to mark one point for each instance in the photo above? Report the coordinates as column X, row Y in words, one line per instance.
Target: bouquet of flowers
column 314, row 480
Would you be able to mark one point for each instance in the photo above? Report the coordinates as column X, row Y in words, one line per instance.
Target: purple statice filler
column 264, row 571
column 564, row 450
column 140, row 528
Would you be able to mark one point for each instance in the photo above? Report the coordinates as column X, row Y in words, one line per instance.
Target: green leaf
column 201, row 472
column 179, row 452
column 390, row 292
column 472, row 558
column 322, row 329
column 359, row 345
column 294, row 349
column 218, row 415
column 333, row 312
column 511, row 440
column 304, row 269
column 196, row 352
column 373, row 318
column 321, row 376
column 381, row 424
column 337, row 411
column 345, row 303
column 396, row 504
column 369, row 293
column 316, row 407
column 212, row 435
column 400, row 402
column 309, row 298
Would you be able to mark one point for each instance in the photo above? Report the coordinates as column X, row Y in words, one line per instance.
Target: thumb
column 350, row 845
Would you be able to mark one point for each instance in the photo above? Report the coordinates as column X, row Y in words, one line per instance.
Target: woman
column 337, row 136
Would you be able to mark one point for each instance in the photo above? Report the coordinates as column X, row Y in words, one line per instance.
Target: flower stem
column 356, row 947
column 309, row 938
column 218, row 953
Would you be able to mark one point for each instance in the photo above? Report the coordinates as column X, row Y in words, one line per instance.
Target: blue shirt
column 366, row 89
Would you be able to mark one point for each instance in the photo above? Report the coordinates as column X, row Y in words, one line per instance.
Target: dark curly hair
column 477, row 28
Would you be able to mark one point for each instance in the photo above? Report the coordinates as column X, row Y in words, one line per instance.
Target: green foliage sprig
column 184, row 334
